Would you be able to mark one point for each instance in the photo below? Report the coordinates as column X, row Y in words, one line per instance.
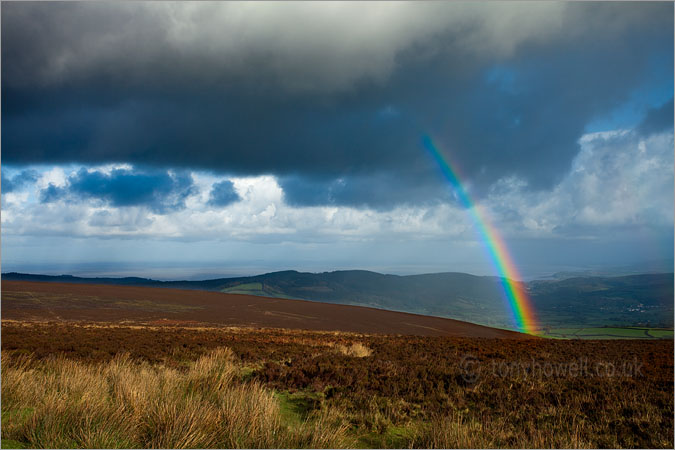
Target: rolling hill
column 645, row 300
column 65, row 302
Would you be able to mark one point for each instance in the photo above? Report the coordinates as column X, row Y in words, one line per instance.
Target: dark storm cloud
column 159, row 191
column 18, row 180
column 52, row 193
column 658, row 119
column 223, row 194
column 377, row 191
column 337, row 129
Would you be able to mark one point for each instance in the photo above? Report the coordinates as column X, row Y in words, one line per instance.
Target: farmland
column 609, row 333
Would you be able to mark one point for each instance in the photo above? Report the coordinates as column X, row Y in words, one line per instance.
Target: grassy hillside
column 634, row 300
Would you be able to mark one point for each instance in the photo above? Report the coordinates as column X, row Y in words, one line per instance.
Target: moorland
column 151, row 371
column 573, row 302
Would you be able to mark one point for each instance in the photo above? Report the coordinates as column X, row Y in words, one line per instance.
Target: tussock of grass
column 124, row 403
column 357, row 350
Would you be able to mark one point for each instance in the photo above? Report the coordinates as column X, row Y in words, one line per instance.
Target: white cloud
column 618, row 180
column 56, row 176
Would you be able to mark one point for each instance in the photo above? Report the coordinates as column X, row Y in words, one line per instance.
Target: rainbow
column 518, row 299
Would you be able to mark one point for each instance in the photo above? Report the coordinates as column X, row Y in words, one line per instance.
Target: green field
column 609, row 333
column 254, row 289
column 245, row 288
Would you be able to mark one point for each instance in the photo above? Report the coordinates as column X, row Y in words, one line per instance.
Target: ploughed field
column 151, row 380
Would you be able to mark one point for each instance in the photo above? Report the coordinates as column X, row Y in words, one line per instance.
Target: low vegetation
column 122, row 403
column 36, row 301
column 357, row 350
column 88, row 385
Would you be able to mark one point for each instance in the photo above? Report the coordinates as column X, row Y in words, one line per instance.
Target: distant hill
column 645, row 300
column 580, row 301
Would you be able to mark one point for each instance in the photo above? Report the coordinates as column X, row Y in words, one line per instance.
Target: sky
column 188, row 140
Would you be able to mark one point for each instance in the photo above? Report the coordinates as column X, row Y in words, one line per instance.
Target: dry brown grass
column 410, row 392
column 456, row 431
column 357, row 350
column 60, row 403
